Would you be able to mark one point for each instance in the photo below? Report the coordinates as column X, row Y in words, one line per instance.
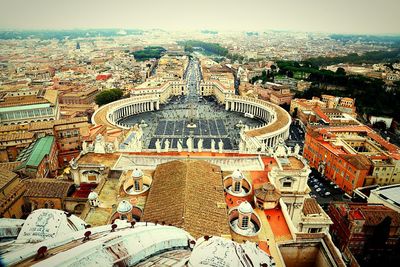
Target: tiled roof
column 10, row 166
column 311, row 206
column 47, row 188
column 185, row 193
column 268, row 193
column 282, row 119
column 16, row 136
column 358, row 161
column 51, row 96
column 5, row 177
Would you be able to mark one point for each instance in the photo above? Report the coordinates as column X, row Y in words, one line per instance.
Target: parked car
column 327, row 194
column 316, row 186
column 313, row 196
column 318, row 189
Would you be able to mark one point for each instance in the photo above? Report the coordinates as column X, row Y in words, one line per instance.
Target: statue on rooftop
column 179, row 145
column 158, row 146
column 241, row 146
column 296, row 149
column 166, row 145
column 200, row 145
column 212, row 145
column 220, row 146
column 73, row 163
column 189, row 143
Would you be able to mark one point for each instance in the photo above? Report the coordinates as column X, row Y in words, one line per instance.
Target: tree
column 340, row 71
column 380, row 125
column 108, row 96
column 189, row 48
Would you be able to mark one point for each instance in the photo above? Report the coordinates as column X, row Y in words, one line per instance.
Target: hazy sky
column 348, row 16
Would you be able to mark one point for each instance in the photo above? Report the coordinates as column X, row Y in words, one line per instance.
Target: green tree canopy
column 108, row 96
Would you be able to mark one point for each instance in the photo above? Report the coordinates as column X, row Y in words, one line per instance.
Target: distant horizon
column 315, row 16
column 197, row 30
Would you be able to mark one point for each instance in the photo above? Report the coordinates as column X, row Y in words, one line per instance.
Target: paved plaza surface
column 211, row 119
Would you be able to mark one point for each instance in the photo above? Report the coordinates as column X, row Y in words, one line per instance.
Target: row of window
column 26, row 113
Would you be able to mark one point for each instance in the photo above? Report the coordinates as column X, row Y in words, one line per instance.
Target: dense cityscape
column 130, row 146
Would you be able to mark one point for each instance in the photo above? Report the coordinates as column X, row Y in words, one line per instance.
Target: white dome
column 93, row 195
column 245, row 207
column 237, row 175
column 137, row 173
column 124, row 207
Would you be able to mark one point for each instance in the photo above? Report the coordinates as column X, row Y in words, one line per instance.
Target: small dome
column 268, row 187
column 93, row 195
column 124, row 207
column 237, row 175
column 137, row 173
column 245, row 207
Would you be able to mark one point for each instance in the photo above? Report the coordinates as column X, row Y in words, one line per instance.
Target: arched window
column 287, row 182
column 237, row 186
column 48, row 205
column 245, row 222
column 137, row 185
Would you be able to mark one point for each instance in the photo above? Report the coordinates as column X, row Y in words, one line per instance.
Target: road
column 296, row 136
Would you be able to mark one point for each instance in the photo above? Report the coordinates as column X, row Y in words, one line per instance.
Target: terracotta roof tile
column 47, row 188
column 311, row 206
column 6, row 176
column 183, row 193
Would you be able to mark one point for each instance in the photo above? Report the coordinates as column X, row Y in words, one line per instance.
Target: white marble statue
column 158, row 146
column 213, row 145
column 241, row 146
column 166, row 145
column 200, row 145
column 84, row 147
column 99, row 144
column 296, row 149
column 189, row 143
column 220, row 146
column 179, row 145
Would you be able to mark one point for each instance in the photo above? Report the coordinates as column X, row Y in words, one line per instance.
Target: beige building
column 23, row 107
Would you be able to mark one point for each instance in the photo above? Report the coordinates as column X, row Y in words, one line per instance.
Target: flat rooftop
column 390, row 192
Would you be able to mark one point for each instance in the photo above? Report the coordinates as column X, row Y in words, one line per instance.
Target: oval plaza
column 198, row 110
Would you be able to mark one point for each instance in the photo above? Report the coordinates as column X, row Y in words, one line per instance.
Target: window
column 137, row 186
column 314, row 230
column 92, row 178
column 245, row 222
column 237, row 186
column 287, row 184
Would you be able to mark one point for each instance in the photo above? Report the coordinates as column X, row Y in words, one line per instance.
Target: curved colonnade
column 112, row 113
column 267, row 135
column 277, row 121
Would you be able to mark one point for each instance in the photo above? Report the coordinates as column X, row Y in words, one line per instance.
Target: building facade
column 23, row 107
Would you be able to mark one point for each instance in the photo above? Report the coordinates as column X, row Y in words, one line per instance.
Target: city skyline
column 309, row 16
